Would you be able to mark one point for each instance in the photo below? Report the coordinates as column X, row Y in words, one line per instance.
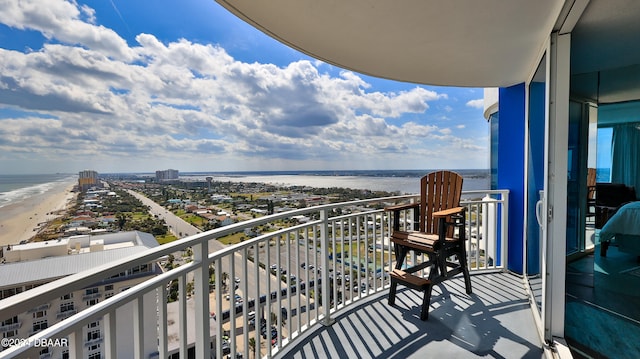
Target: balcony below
column 495, row 321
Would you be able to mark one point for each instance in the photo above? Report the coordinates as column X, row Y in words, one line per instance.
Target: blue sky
column 137, row 86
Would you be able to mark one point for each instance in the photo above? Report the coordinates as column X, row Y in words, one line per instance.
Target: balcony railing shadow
column 495, row 321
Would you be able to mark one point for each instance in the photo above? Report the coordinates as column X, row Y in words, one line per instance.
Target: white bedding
column 625, row 221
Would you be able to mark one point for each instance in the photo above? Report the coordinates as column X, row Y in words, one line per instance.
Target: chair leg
column 467, row 279
column 462, row 258
column 426, row 300
column 392, row 292
column 401, row 253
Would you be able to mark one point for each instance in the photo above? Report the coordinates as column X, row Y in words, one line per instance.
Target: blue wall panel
column 511, row 166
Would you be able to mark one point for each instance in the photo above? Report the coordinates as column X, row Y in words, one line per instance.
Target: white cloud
column 156, row 100
column 479, row 103
column 62, row 20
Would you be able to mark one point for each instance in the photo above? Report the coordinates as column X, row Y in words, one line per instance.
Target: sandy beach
column 21, row 221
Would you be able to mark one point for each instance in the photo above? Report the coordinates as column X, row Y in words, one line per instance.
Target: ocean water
column 405, row 181
column 17, row 188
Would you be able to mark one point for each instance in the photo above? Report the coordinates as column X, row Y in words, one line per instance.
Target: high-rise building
column 167, row 175
column 87, row 179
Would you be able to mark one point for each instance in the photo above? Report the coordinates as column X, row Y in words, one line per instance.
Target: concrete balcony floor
column 495, row 321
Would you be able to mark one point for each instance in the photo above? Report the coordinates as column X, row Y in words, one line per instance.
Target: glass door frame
column 529, row 218
column 556, row 172
column 553, row 211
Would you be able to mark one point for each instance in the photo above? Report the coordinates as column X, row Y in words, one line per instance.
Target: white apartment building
column 167, row 175
column 29, row 265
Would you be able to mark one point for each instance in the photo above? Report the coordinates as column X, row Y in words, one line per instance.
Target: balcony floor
column 495, row 321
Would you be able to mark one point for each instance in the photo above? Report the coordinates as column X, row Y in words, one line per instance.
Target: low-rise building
column 26, row 266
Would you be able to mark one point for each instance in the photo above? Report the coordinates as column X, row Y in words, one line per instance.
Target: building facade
column 87, row 179
column 167, row 175
column 26, row 266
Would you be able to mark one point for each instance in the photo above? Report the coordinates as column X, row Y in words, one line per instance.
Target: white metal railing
column 274, row 281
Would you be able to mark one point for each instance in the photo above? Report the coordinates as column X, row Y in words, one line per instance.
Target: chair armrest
column 448, row 212
column 401, row 207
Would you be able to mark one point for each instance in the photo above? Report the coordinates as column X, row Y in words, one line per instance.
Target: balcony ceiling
column 451, row 43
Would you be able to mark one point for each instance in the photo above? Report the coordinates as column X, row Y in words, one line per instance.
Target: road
column 177, row 225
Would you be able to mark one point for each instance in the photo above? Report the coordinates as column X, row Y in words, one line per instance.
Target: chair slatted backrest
column 591, row 183
column 438, row 190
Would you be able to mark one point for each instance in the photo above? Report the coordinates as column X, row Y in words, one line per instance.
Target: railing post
column 138, row 327
column 182, row 315
column 218, row 306
column 504, row 238
column 201, row 294
column 162, row 322
column 110, row 344
column 245, row 304
column 326, row 283
column 76, row 349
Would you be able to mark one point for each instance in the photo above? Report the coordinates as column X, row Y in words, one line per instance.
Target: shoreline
column 22, row 221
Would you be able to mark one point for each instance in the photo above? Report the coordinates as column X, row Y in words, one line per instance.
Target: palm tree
column 122, row 220
column 225, row 276
column 252, row 346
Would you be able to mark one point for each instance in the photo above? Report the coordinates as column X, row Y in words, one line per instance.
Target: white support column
column 201, row 289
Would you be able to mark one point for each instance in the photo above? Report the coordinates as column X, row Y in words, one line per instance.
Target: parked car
column 263, row 323
column 274, row 333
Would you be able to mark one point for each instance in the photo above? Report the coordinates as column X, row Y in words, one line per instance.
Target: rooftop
column 92, row 251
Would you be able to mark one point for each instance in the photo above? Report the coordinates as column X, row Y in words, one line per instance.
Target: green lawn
column 166, row 238
column 232, row 238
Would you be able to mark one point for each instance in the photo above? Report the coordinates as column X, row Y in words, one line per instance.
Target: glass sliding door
column 577, row 191
column 536, row 128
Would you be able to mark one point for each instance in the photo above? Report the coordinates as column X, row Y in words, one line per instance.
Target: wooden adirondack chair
column 435, row 219
column 591, row 195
